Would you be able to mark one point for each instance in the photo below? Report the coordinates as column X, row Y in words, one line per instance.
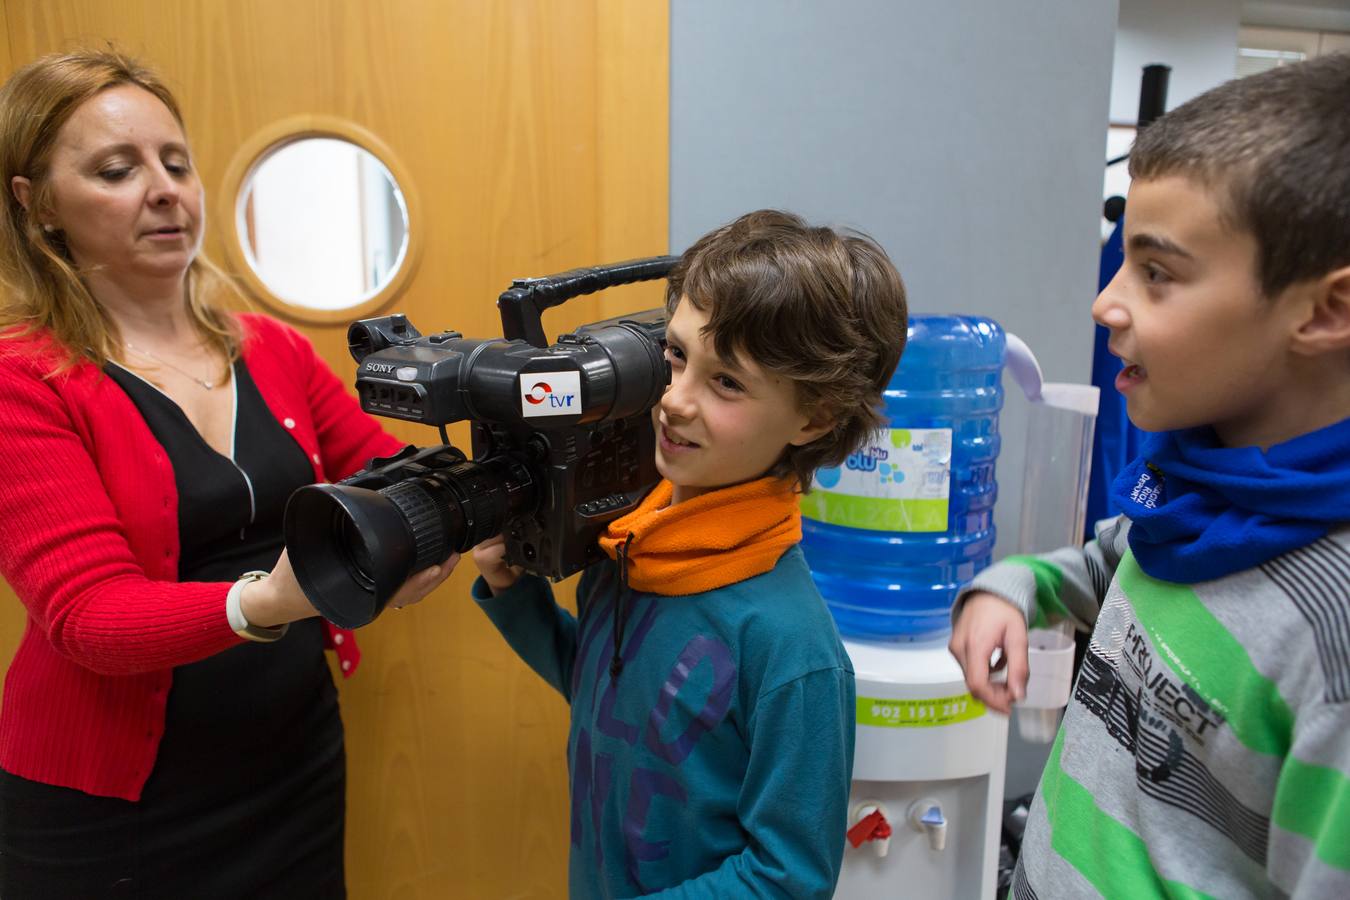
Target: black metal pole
column 1153, row 93
column 1152, row 100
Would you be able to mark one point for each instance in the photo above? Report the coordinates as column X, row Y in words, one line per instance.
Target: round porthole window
column 324, row 221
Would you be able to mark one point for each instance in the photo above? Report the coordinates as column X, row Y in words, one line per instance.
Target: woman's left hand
column 422, row 583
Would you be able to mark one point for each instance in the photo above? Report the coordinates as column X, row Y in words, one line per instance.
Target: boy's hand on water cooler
column 490, row 558
column 988, row 623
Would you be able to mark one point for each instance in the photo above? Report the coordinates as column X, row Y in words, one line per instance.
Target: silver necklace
column 209, row 385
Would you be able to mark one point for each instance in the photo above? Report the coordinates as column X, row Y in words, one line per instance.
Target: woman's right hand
column 490, row 558
column 987, row 623
column 278, row 598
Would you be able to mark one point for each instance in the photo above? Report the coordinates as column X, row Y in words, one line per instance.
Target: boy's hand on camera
column 490, row 558
column 988, row 623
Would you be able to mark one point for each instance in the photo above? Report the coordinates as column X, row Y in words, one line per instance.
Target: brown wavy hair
column 42, row 287
column 823, row 308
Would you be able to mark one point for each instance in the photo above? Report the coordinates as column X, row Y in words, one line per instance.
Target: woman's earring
column 50, row 229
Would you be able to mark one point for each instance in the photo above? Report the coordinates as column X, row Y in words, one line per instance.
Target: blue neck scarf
column 1200, row 511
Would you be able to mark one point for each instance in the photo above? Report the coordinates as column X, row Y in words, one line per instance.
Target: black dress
column 246, row 799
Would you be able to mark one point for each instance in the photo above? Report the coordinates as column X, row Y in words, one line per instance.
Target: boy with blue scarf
column 1206, row 748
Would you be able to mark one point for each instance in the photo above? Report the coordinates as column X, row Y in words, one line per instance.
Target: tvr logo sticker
column 550, row 394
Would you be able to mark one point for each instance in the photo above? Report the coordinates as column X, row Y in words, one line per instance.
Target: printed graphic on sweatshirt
column 1326, row 608
column 694, row 698
column 1021, row 888
column 900, row 480
column 1162, row 723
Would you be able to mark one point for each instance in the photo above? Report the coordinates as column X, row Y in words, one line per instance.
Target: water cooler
column 891, row 537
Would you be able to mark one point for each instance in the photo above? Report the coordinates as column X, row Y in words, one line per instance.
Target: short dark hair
column 822, row 308
column 1275, row 147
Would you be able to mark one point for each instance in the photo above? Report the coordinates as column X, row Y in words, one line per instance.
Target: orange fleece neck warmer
column 708, row 542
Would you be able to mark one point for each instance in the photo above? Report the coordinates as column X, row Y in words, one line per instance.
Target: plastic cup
column 1049, row 680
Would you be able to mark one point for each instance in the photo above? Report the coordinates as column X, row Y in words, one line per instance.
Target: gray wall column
column 967, row 137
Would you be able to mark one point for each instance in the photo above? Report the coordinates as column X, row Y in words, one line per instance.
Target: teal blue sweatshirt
column 717, row 764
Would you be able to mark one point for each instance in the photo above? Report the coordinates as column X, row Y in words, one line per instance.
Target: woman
column 163, row 731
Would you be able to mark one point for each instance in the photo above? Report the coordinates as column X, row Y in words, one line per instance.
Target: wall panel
column 536, row 135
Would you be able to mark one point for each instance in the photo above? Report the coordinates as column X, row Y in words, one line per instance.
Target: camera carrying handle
column 522, row 305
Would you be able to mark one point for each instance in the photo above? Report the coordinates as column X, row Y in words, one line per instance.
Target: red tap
column 871, row 827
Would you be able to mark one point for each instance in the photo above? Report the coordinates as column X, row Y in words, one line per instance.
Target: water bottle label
column 899, row 481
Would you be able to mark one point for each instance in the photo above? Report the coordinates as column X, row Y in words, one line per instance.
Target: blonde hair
column 42, row 287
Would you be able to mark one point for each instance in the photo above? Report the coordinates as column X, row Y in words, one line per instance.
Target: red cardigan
column 89, row 542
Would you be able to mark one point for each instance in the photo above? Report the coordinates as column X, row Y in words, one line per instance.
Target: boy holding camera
column 1206, row 748
column 711, row 743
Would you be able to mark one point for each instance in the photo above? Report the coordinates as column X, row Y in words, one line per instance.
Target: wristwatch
column 235, row 615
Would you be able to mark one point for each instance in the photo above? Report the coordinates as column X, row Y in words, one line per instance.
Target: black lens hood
column 315, row 542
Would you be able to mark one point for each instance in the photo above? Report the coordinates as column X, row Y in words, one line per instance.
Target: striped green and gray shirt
column 1205, row 751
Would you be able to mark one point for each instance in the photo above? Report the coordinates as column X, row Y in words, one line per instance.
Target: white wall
column 1197, row 38
column 1312, row 15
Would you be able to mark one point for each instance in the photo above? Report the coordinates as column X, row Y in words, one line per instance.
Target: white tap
column 926, row 815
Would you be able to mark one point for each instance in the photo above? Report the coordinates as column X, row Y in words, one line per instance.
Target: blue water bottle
column 893, row 534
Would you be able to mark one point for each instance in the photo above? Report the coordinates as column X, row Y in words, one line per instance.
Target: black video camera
column 562, row 442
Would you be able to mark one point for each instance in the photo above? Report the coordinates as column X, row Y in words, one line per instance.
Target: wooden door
column 535, row 135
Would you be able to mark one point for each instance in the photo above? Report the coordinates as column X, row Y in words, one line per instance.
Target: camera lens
column 355, row 555
column 352, row 548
